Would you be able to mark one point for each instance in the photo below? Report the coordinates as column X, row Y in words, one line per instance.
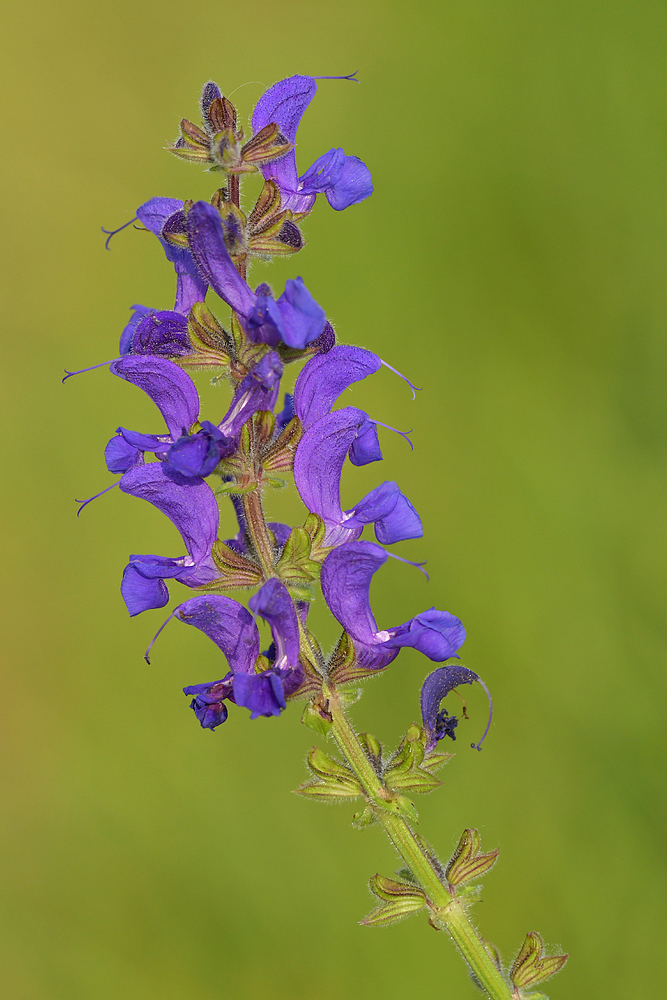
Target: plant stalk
column 447, row 911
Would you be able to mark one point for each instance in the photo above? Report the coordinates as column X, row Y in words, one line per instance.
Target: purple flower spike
column 326, row 376
column 346, row 577
column 437, row 686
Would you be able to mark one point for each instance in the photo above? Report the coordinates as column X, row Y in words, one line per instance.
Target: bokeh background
column 512, row 262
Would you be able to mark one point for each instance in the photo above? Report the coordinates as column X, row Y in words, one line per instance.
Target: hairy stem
column 258, row 531
column 447, row 911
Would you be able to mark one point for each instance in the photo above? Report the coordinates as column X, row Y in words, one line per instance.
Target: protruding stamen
column 350, row 76
column 112, row 232
column 420, row 567
column 150, row 644
column 84, row 503
column 91, row 369
column 478, row 746
column 415, row 388
column 404, row 434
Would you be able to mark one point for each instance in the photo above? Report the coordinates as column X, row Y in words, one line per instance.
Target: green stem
column 446, row 908
column 258, row 531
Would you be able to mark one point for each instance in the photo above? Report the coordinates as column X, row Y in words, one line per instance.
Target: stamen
column 84, row 503
column 465, row 707
column 112, row 232
column 410, row 563
column 150, row 644
column 415, row 388
column 478, row 746
column 350, row 76
column 404, row 434
column 91, row 369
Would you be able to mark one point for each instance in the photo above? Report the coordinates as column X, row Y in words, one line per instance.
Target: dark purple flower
column 346, row 577
column 295, row 318
column 190, row 505
column 439, row 723
column 159, row 332
column 318, row 465
column 344, row 179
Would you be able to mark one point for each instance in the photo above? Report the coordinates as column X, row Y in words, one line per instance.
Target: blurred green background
column 512, row 261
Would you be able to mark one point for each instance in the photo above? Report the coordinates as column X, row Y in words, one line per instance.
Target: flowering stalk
column 245, row 454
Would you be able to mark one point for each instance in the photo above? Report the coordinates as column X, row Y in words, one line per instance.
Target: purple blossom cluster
column 192, row 463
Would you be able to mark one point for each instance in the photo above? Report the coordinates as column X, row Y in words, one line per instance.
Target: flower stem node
column 468, row 862
column 531, row 966
column 334, row 780
column 410, row 769
column 399, row 899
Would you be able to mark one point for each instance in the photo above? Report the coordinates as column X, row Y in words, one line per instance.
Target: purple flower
column 324, row 377
column 318, row 465
column 190, row 505
column 344, row 179
column 175, row 395
column 439, row 723
column 234, row 631
column 295, row 318
column 346, row 577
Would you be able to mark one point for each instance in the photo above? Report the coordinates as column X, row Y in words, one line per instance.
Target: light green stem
column 446, row 908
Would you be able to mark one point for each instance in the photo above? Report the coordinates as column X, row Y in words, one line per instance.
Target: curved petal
column 188, row 503
column 274, row 604
column 319, row 461
column 284, row 103
column 207, row 245
column 326, row 376
column 436, row 687
column 231, row 627
column 171, row 389
column 346, row 578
